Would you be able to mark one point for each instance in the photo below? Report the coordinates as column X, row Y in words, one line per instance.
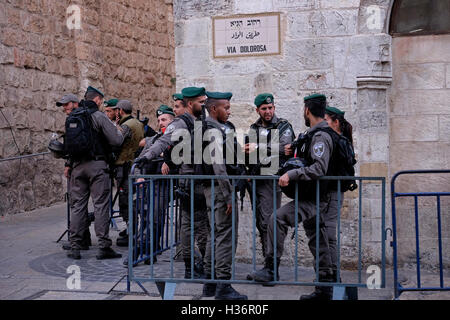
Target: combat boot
column 122, row 242
column 198, row 274
column 324, row 293
column 225, row 291
column 67, row 246
column 74, row 254
column 107, row 253
column 209, row 289
column 320, row 294
column 266, row 274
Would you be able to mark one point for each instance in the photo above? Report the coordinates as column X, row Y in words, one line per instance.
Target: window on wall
column 420, row 17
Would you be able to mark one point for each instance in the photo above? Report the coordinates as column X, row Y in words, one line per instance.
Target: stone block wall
column 125, row 48
column 420, row 139
column 336, row 47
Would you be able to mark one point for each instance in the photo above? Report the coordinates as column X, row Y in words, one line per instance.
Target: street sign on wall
column 246, row 35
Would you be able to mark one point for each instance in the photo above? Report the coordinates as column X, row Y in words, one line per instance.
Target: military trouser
column 90, row 178
column 330, row 220
column 201, row 227
column 223, row 239
column 307, row 215
column 264, row 207
column 122, row 187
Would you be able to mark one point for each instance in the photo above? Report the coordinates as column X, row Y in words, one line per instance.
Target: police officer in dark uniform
column 178, row 106
column 193, row 100
column 90, row 178
column 69, row 102
column 218, row 127
column 260, row 130
column 317, row 156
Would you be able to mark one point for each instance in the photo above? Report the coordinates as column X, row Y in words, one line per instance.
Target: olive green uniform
column 320, row 151
column 91, row 178
column 201, row 225
column 124, row 160
column 223, row 231
column 265, row 188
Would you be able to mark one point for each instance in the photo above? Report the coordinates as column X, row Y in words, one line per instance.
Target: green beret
column 177, row 96
column 192, row 92
column 333, row 110
column 163, row 109
column 111, row 103
column 263, row 98
column 219, row 95
column 95, row 90
column 315, row 96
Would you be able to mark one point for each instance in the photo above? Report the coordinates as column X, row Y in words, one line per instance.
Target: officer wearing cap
column 178, row 105
column 261, row 144
column 69, row 102
column 218, row 127
column 110, row 110
column 317, row 155
column 193, row 101
column 165, row 116
column 125, row 158
column 89, row 178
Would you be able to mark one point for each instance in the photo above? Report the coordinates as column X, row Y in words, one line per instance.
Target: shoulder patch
column 170, row 128
column 319, row 149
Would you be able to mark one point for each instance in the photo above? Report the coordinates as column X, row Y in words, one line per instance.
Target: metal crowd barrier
column 167, row 281
column 398, row 288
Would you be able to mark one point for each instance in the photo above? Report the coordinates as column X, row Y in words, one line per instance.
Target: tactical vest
column 130, row 146
column 190, row 123
column 232, row 168
column 281, row 125
column 341, row 163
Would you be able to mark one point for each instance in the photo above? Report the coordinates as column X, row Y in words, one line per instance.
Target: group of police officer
column 90, row 176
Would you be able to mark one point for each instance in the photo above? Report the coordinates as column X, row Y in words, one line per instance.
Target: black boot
column 107, row 253
column 122, row 242
column 209, row 289
column 320, row 294
column 323, row 293
column 198, row 274
column 266, row 274
column 225, row 291
column 67, row 246
column 74, row 254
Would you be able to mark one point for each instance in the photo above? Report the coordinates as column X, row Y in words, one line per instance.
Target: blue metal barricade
column 142, row 208
column 415, row 195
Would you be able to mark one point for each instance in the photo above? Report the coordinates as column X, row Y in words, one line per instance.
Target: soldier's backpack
column 341, row 163
column 81, row 140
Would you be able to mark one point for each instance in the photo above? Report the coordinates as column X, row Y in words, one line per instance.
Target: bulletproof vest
column 82, row 141
column 154, row 166
column 198, row 168
column 341, row 162
column 232, row 168
column 282, row 125
column 130, row 146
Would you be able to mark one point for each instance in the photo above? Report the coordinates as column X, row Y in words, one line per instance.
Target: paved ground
column 34, row 267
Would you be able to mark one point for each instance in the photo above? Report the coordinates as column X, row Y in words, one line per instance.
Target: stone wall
column 420, row 124
column 336, row 47
column 125, row 48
